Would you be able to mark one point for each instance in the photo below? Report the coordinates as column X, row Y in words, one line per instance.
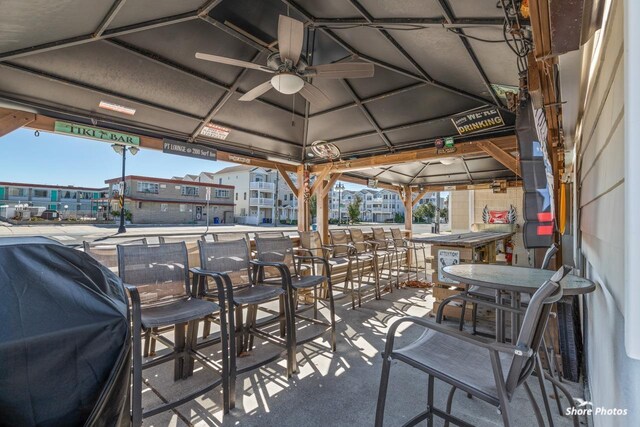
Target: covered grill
column 64, row 341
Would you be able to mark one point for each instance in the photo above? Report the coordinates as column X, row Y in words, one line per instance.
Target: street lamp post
column 339, row 188
column 122, row 149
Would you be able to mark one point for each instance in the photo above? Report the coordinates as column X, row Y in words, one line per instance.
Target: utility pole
column 437, row 224
column 122, row 228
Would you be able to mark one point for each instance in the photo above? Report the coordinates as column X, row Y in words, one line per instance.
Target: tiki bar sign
column 96, row 133
column 476, row 121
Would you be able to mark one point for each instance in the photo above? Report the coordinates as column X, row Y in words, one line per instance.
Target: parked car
column 50, row 214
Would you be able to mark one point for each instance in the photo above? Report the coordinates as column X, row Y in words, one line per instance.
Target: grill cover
column 64, row 337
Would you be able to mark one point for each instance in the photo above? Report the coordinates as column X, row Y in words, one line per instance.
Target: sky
column 64, row 160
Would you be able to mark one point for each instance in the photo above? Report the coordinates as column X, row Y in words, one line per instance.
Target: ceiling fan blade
column 290, row 38
column 341, row 70
column 231, row 61
column 314, row 95
column 257, row 91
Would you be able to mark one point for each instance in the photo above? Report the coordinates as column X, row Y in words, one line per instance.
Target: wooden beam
column 462, row 149
column 47, row 124
column 330, row 183
column 408, row 209
column 500, row 155
column 320, row 178
column 421, row 194
column 287, row 179
column 363, row 181
column 11, row 120
column 322, row 214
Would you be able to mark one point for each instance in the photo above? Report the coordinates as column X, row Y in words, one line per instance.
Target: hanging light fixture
column 287, row 83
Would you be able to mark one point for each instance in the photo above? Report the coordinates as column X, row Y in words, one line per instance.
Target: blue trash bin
column 314, row 227
column 216, row 220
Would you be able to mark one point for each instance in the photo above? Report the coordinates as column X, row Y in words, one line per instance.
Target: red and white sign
column 214, row 131
column 498, row 217
column 117, row 108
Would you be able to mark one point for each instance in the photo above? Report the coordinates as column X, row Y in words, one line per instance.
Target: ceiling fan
column 289, row 70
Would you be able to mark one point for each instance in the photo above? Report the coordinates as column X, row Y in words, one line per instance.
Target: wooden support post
column 322, row 215
column 322, row 194
column 11, row 120
column 303, row 203
column 408, row 208
column 500, row 155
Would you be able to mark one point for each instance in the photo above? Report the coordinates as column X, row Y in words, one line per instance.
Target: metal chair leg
column 147, row 342
column 206, row 328
column 152, row 350
column 450, row 403
column 463, row 312
column 332, row 313
column 430, row 401
column 292, row 363
column 543, row 390
column 178, row 349
column 536, row 409
column 474, row 317
column 382, row 392
column 136, row 404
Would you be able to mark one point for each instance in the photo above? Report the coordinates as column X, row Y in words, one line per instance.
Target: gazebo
column 437, row 106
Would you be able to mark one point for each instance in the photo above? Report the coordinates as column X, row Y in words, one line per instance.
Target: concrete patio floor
column 335, row 389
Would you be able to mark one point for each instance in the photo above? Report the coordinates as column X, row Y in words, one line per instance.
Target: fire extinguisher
column 509, row 252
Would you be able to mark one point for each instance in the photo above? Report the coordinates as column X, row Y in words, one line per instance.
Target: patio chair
column 157, row 279
column 364, row 262
column 268, row 234
column 389, row 251
column 278, row 254
column 488, row 370
column 372, row 247
column 339, row 260
column 106, row 253
column 406, row 246
column 231, row 262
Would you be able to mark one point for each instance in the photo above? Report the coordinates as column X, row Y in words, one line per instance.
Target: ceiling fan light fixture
column 287, row 83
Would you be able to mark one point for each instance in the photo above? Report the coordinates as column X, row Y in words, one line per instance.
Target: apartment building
column 375, row 206
column 261, row 195
column 69, row 200
column 173, row 201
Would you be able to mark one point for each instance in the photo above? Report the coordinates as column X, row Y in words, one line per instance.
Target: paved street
column 74, row 234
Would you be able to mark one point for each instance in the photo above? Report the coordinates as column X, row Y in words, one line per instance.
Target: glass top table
column 514, row 279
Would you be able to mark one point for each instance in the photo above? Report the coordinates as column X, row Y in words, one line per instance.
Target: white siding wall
column 613, row 378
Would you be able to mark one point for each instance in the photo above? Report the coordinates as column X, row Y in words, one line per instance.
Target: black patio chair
column 488, row 370
column 157, row 279
column 278, row 254
column 230, row 261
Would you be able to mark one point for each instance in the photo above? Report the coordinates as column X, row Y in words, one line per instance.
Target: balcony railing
column 264, row 186
column 260, row 201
